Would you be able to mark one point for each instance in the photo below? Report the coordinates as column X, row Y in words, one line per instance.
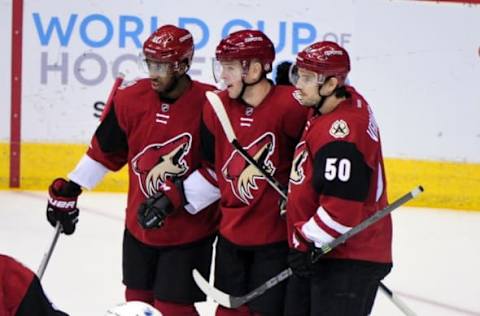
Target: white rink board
column 61, row 107
column 421, row 76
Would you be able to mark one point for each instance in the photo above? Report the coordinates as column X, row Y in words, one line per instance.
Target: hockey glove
column 300, row 258
column 155, row 209
column 62, row 204
column 300, row 262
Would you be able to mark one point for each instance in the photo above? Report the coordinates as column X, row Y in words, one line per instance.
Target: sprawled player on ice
column 21, row 293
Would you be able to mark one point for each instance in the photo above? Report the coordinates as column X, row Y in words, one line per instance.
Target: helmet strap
column 323, row 98
column 246, row 67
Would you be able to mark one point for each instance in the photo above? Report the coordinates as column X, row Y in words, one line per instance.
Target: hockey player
column 21, row 293
column 154, row 127
column 337, row 180
column 268, row 123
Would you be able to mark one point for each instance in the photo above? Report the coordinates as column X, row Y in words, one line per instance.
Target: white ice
column 436, row 256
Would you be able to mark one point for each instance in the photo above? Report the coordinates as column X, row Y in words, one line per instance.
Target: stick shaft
column 395, row 300
column 48, row 254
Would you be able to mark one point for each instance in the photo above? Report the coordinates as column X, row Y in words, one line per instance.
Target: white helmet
column 133, row 308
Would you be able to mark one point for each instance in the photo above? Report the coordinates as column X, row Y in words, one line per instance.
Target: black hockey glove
column 155, row 209
column 300, row 262
column 62, row 204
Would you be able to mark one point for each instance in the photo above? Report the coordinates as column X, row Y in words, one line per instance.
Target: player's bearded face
column 229, row 75
column 162, row 75
column 308, row 84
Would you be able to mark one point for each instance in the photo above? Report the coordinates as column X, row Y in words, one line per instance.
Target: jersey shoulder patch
column 339, row 129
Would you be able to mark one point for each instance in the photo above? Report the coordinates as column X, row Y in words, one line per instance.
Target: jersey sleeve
column 201, row 187
column 15, row 279
column 341, row 177
column 21, row 293
column 207, row 144
column 201, row 190
column 36, row 303
column 207, row 137
column 109, row 144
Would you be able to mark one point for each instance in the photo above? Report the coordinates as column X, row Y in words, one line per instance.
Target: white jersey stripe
column 330, row 222
column 88, row 172
column 314, row 233
column 199, row 192
column 379, row 183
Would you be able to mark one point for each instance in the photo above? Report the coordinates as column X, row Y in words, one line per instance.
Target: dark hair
column 341, row 92
column 281, row 78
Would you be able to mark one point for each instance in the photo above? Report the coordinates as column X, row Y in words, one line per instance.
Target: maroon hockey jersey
column 269, row 133
column 337, row 180
column 14, row 282
column 158, row 139
column 21, row 293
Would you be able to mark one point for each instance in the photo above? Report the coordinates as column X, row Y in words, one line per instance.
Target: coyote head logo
column 156, row 162
column 297, row 174
column 241, row 175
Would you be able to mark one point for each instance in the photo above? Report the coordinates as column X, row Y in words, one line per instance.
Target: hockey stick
column 230, row 301
column 58, row 227
column 219, row 110
column 117, row 83
column 394, row 298
column 48, row 254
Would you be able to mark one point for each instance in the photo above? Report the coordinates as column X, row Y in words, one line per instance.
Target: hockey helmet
column 327, row 59
column 169, row 44
column 246, row 45
column 133, row 308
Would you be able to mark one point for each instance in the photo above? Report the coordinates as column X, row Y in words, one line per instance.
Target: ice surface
column 436, row 256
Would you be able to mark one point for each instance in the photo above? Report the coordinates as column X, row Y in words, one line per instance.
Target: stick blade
column 219, row 109
column 217, row 295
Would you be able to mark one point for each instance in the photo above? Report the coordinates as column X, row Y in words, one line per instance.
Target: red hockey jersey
column 269, row 133
column 158, row 139
column 337, row 180
column 15, row 280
